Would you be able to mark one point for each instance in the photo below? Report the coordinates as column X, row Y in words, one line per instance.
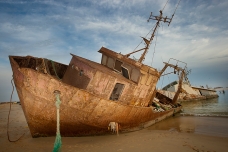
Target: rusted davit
column 119, row 89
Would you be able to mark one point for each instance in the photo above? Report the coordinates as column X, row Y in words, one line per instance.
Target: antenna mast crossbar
column 158, row 18
column 148, row 42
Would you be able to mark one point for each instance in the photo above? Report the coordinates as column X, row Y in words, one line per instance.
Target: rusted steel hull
column 81, row 113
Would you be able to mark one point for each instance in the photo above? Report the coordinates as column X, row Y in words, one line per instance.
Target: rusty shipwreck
column 119, row 89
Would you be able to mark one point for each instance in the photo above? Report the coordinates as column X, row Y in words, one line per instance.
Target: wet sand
column 179, row 133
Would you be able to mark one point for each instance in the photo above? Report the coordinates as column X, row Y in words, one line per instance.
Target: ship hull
column 81, row 113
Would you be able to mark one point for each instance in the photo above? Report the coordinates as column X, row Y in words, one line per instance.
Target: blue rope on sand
column 58, row 142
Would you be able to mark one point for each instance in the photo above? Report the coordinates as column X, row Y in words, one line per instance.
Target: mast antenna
column 148, row 41
column 174, row 13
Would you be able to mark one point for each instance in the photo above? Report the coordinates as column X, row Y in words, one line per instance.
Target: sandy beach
column 179, row 133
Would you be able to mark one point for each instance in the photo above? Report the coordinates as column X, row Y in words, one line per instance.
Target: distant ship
column 188, row 92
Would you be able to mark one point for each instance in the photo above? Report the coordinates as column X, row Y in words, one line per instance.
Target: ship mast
column 148, row 42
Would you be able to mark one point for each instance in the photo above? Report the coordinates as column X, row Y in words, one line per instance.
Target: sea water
column 210, row 107
column 207, row 117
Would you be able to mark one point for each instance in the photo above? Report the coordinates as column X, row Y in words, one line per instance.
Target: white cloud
column 201, row 28
column 53, row 29
column 119, row 3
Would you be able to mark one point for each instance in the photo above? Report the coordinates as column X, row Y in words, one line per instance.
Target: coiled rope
column 58, row 142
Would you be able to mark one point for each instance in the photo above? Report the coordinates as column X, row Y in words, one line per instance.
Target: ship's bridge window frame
column 110, row 62
column 104, row 59
column 125, row 72
column 118, row 65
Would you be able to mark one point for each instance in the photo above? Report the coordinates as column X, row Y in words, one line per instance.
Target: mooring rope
column 58, row 142
column 9, row 117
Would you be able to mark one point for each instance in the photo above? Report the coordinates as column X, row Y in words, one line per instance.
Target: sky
column 198, row 34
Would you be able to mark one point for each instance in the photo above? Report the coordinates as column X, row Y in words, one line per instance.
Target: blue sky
column 198, row 34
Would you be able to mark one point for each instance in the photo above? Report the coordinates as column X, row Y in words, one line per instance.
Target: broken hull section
column 81, row 113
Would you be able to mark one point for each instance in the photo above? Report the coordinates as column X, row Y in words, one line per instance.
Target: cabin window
column 116, row 92
column 118, row 65
column 110, row 62
column 104, row 59
column 135, row 75
column 125, row 72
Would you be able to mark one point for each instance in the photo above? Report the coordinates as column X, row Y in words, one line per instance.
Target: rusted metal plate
column 121, row 113
column 76, row 77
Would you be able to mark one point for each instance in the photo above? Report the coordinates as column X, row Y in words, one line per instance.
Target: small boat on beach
column 118, row 89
